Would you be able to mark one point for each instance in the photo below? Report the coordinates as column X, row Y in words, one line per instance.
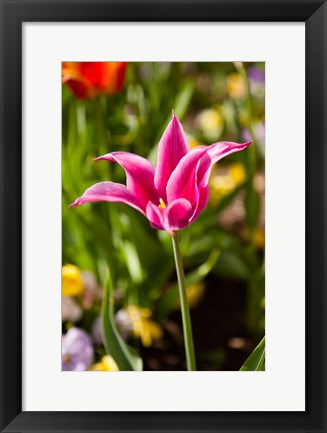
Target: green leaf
column 183, row 99
column 256, row 361
column 133, row 262
column 125, row 357
column 232, row 265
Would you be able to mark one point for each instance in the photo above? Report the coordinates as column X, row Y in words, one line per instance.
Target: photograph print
column 163, row 216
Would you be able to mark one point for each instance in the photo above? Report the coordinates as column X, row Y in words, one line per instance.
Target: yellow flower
column 258, row 237
column 194, row 294
column 107, row 363
column 222, row 184
column 143, row 327
column 238, row 174
column 72, row 283
column 211, row 123
column 193, row 142
column 236, row 88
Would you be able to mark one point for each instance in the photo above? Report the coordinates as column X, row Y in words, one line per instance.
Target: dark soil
column 221, row 339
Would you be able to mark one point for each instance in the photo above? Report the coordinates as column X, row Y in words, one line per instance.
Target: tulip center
column 162, row 204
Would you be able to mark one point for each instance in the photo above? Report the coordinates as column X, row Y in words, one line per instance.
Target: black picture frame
column 13, row 14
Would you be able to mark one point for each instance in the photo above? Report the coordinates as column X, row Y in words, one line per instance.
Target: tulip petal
column 177, row 215
column 139, row 175
column 172, row 147
column 190, row 178
column 106, row 77
column 204, row 193
column 155, row 216
column 81, row 87
column 217, row 151
column 88, row 79
column 111, row 192
column 183, row 182
column 116, row 72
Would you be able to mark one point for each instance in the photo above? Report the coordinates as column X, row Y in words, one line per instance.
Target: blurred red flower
column 90, row 79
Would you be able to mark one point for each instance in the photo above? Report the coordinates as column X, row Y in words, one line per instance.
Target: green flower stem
column 187, row 326
column 252, row 151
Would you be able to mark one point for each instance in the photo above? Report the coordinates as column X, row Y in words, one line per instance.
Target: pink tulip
column 173, row 194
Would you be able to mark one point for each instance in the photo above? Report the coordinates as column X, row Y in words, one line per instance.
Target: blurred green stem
column 101, row 109
column 186, row 318
column 252, row 151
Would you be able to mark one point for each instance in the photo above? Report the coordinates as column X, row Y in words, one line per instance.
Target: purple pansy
column 76, row 350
